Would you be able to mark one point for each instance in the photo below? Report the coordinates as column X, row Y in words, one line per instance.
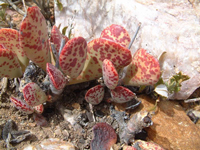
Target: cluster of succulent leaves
column 78, row 61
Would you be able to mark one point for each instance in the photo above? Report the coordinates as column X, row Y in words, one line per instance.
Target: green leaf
column 59, row 4
column 64, row 30
column 174, row 83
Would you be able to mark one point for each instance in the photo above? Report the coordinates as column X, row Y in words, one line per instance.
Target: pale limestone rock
column 171, row 26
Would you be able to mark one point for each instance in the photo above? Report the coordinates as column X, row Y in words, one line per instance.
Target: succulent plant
column 34, row 37
column 142, row 69
column 104, row 137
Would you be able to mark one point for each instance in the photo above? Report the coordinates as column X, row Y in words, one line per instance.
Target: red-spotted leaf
column 95, row 95
column 143, row 70
column 117, row 34
column 98, row 50
column 23, row 106
column 9, row 38
column 9, row 64
column 126, row 147
column 56, row 37
column 121, row 94
column 56, row 76
column 34, row 37
column 104, row 137
column 72, row 57
column 39, row 108
column 33, row 94
column 110, row 75
column 2, row 46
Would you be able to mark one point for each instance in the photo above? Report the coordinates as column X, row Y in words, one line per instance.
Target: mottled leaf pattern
column 73, row 56
column 56, row 37
column 39, row 108
column 121, row 94
column 9, row 38
column 117, row 34
column 95, row 95
column 98, row 50
column 110, row 75
column 56, row 77
column 9, row 64
column 143, row 70
column 34, row 37
column 23, row 106
column 33, row 94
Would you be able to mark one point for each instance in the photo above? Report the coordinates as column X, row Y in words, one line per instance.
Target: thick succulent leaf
column 117, row 34
column 143, row 70
column 33, row 94
column 56, row 37
column 9, row 38
column 39, row 108
column 23, row 106
column 110, row 75
column 73, row 56
column 56, row 76
column 121, row 94
column 98, row 50
column 9, row 64
column 104, row 137
column 2, row 46
column 95, row 95
column 34, row 37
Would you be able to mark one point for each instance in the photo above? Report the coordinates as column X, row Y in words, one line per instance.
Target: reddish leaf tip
column 104, row 137
column 56, row 76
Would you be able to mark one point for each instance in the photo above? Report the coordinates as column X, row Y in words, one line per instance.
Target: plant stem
column 16, row 8
column 133, row 39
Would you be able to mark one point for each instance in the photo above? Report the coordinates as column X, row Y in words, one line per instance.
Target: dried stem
column 192, row 100
column 133, row 39
column 16, row 8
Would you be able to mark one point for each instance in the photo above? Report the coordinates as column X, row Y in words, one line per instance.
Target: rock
column 167, row 26
column 52, row 144
column 172, row 128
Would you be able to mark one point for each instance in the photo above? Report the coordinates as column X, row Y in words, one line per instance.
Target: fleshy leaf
column 23, row 106
column 33, row 94
column 56, row 76
column 110, row 75
column 104, row 137
column 73, row 56
column 95, row 95
column 39, row 108
column 10, row 40
column 98, row 50
column 56, row 37
column 121, row 94
column 117, row 34
column 2, row 46
column 143, row 70
column 34, row 37
column 9, row 64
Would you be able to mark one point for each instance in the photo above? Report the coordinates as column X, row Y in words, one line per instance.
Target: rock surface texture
column 172, row 128
column 167, row 26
